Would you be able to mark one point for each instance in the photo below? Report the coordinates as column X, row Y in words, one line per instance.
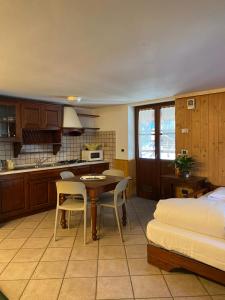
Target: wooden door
column 31, row 115
column 13, row 200
column 155, row 146
column 51, row 117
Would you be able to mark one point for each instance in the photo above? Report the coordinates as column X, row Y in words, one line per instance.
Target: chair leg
column 85, row 226
column 118, row 223
column 56, row 223
column 69, row 216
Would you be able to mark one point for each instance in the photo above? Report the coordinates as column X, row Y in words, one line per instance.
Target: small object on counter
column 3, row 164
column 10, row 164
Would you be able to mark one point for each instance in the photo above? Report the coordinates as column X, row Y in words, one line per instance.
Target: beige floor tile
column 2, row 266
column 13, row 288
column 11, row 224
column 136, row 251
column 20, row 233
column 184, row 285
column 36, row 243
column 110, row 240
column 45, row 232
column 62, row 242
column 78, row 288
column 36, row 218
column 114, row 287
column 26, row 255
column 4, row 233
column 112, row 267
column 65, row 232
column 56, row 254
column 111, row 252
column 53, row 269
column 140, row 266
column 27, row 225
column 16, row 271
column 135, row 229
column 193, row 298
column 134, row 239
column 219, row 297
column 84, row 253
column 7, row 255
column 149, row 286
column 46, row 289
column 80, row 241
column 12, row 243
column 81, row 268
column 212, row 287
column 46, row 225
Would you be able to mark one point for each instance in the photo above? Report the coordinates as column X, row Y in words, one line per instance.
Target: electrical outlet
column 184, row 151
column 184, row 130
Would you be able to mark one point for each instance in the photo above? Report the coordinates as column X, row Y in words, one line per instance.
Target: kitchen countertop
column 32, row 169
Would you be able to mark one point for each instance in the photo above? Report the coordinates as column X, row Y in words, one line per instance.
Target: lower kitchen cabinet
column 13, row 198
column 29, row 192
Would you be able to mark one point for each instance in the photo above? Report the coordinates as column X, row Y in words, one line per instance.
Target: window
column 167, row 133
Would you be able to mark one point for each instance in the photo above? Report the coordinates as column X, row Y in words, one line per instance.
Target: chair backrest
column 114, row 172
column 120, row 189
column 72, row 188
column 66, row 174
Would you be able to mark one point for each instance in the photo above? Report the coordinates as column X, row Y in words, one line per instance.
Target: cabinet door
column 52, row 193
column 38, row 193
column 51, row 116
column 99, row 168
column 82, row 170
column 13, row 200
column 10, row 127
column 31, row 115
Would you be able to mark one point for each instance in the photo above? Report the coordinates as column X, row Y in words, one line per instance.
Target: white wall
column 121, row 119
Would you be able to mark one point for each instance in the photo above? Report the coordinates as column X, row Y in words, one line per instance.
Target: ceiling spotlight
column 73, row 98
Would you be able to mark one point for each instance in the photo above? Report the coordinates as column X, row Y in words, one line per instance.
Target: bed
column 189, row 233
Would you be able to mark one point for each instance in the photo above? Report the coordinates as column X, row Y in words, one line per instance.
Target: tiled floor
column 33, row 266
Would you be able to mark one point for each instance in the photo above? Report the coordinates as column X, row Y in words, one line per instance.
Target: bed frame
column 169, row 260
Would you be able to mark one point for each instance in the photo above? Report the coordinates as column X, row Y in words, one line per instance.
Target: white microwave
column 92, row 155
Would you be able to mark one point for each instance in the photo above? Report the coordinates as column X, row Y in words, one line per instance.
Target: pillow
column 218, row 193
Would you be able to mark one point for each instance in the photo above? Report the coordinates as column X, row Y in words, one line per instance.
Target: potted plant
column 184, row 164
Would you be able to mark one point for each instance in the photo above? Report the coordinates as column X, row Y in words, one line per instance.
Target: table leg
column 63, row 216
column 124, row 217
column 93, row 199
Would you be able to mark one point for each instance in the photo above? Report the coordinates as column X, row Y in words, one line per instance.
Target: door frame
column 158, row 161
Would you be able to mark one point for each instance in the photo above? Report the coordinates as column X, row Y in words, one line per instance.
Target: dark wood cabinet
column 29, row 192
column 51, row 117
column 13, row 197
column 41, row 116
column 31, row 115
column 10, row 121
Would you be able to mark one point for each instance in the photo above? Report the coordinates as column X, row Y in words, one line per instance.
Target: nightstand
column 180, row 187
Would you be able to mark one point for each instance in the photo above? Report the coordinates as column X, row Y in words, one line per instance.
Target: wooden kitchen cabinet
column 51, row 116
column 13, row 197
column 41, row 116
column 33, row 191
column 10, row 126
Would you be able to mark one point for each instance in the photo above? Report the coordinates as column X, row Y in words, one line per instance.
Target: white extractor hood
column 70, row 118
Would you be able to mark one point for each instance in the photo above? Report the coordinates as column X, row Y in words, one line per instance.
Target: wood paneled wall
column 129, row 168
column 205, row 139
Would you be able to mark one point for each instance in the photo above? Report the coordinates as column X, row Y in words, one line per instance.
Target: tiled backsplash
column 71, row 148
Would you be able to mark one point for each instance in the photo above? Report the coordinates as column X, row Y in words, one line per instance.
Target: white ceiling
column 111, row 51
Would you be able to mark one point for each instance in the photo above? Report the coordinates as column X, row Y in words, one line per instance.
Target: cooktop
column 72, row 161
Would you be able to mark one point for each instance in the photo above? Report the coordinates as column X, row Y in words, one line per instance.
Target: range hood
column 71, row 122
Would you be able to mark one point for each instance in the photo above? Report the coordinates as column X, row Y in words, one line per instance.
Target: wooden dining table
column 94, row 189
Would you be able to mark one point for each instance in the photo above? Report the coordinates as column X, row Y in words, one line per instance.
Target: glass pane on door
column 167, row 133
column 146, row 133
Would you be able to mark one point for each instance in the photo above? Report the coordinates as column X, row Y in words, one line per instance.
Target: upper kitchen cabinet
column 51, row 116
column 9, row 121
column 41, row 116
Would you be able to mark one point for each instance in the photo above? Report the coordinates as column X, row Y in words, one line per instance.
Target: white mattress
column 206, row 249
column 202, row 215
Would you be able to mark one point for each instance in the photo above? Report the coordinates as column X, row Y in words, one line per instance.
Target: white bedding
column 203, row 215
column 200, row 247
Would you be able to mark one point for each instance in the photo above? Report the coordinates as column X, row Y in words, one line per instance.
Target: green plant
column 184, row 163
